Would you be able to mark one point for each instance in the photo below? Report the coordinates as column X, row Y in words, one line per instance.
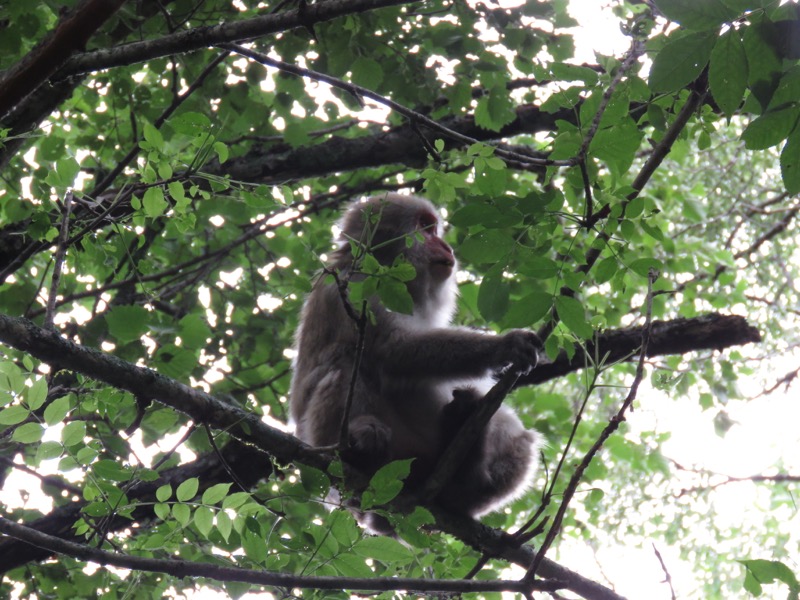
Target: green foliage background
column 206, row 186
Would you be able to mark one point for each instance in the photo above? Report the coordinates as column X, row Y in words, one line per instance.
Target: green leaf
column 570, row 72
column 314, row 481
column 57, row 410
column 187, row 490
column 350, row 565
column 487, row 215
column 395, row 296
column 486, row 246
column 254, row 546
column 383, row 549
column 761, row 571
column 494, row 109
column 48, row 451
column 222, row 151
column 491, row 182
column 617, row 145
column 164, row 492
column 176, row 191
column 153, row 136
column 681, row 61
column 386, row 483
column 606, row 269
column 68, row 168
column 642, row 266
column 295, row 135
column 109, row 469
column 36, row 394
column 727, row 73
column 216, row 493
column 73, row 433
column 153, row 201
column 14, row 414
column 764, row 65
column 538, row 267
column 127, row 323
column 573, row 315
column 182, row 513
column 176, row 362
column 194, row 331
column 28, row 433
column 224, row 524
column 528, row 310
column 493, row 297
column 367, row 73
column 790, row 163
column 702, row 15
column 204, row 520
column 236, row 500
column 771, row 128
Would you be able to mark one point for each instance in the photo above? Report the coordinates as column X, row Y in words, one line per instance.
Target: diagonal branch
column 51, row 348
column 69, row 35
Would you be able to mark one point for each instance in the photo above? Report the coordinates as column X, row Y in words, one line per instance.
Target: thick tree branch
column 69, row 35
column 54, row 350
column 203, row 37
column 709, row 332
column 398, row 145
column 499, row 544
column 415, row 118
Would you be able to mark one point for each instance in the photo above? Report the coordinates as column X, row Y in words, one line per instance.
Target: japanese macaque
column 419, row 378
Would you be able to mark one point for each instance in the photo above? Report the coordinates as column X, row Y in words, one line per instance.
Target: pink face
column 439, row 254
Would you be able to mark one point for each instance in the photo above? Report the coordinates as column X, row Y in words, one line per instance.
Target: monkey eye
column 427, row 221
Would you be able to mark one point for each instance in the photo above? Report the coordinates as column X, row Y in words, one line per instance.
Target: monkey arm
column 449, row 353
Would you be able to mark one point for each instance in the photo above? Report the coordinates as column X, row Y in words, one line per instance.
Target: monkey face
column 439, row 255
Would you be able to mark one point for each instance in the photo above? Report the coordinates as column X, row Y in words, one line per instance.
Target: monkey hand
column 368, row 442
column 520, row 350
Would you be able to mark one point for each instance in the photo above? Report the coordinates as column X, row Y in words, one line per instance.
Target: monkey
column 419, row 378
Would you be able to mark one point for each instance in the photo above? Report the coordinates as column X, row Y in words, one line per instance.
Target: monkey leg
column 498, row 467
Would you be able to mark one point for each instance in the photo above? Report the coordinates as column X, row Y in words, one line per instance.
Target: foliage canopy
column 171, row 174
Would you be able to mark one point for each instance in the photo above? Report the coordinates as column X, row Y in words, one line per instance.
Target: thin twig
column 612, row 426
column 58, row 262
column 636, row 49
column 361, row 324
column 667, row 576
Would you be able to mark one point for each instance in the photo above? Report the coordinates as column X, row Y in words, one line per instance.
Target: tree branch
column 69, row 35
column 203, row 37
column 52, row 349
column 679, row 336
column 185, row 568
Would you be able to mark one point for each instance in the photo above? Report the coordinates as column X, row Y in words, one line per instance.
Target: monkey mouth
column 444, row 262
